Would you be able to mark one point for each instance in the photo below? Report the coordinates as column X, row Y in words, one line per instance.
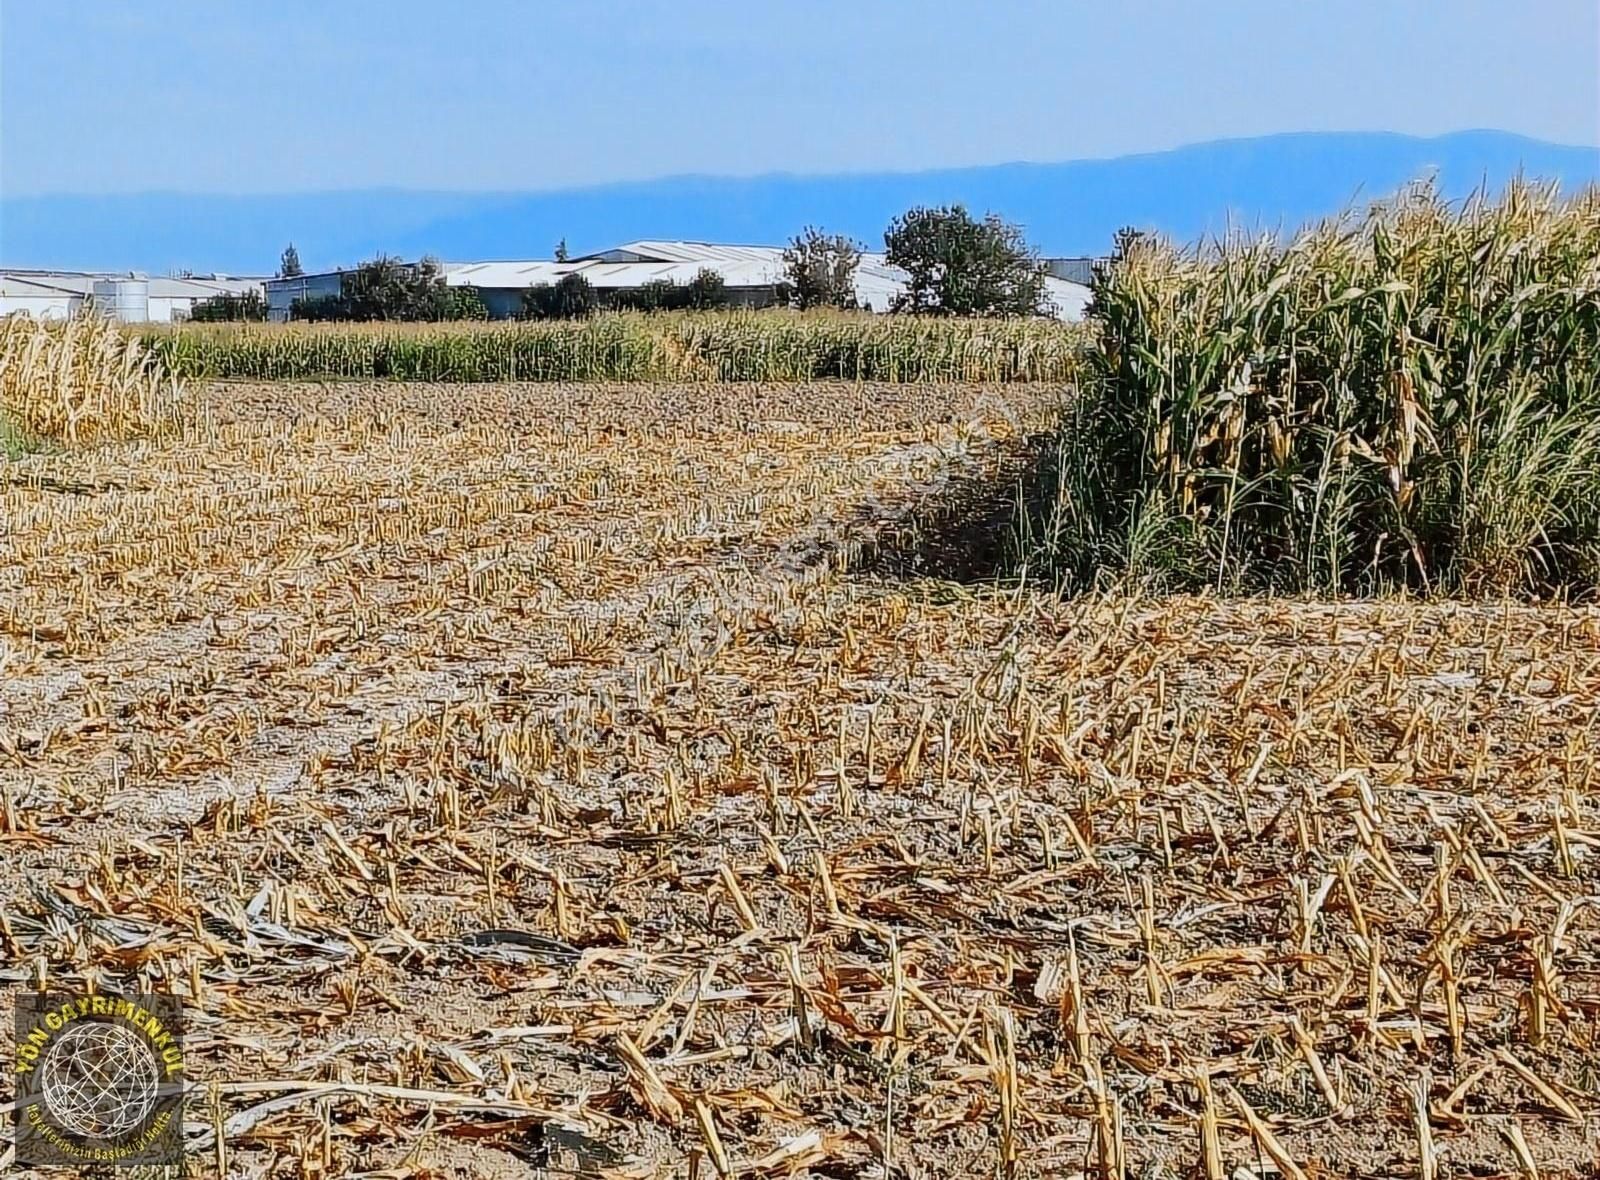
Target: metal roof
column 1078, row 270
column 753, row 270
column 202, row 288
column 633, row 264
column 877, row 283
column 704, row 252
column 16, row 286
column 78, row 282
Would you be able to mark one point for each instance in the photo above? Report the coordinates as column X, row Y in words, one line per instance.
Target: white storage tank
column 125, row 300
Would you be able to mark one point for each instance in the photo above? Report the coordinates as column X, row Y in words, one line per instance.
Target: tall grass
column 81, row 380
column 1409, row 397
column 706, row 346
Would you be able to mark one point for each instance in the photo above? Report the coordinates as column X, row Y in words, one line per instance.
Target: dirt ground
column 576, row 780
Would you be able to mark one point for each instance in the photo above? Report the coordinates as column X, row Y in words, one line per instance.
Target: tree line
column 955, row 264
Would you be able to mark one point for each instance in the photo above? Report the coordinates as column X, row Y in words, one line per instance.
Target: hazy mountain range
column 1067, row 208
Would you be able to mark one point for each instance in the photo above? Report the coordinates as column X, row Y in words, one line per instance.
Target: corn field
column 79, row 381
column 1410, row 397
column 714, row 346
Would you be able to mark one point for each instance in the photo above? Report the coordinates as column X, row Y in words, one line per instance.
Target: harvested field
column 516, row 777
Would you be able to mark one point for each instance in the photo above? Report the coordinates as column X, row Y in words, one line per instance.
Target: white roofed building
column 751, row 277
column 59, row 294
column 38, row 297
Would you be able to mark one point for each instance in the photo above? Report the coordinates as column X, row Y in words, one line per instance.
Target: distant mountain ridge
column 1067, row 208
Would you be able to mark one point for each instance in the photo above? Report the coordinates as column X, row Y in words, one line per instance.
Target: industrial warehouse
column 752, row 277
column 128, row 297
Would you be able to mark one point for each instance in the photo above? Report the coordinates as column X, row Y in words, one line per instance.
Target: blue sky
column 235, row 96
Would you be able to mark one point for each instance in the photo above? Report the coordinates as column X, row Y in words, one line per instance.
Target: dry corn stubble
column 536, row 764
column 80, row 381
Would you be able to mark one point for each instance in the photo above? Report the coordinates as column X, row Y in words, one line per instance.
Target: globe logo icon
column 99, row 1080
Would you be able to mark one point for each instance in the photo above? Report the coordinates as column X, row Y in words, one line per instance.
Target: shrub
column 229, row 308
column 707, row 291
column 465, row 303
column 572, row 298
column 313, row 309
column 656, row 295
column 1408, row 398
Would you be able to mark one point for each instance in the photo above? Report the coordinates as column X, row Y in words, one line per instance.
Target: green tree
column 377, row 290
column 572, row 298
column 958, row 266
column 289, row 265
column 318, row 308
column 428, row 296
column 384, row 289
column 706, row 290
column 821, row 269
column 465, row 303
